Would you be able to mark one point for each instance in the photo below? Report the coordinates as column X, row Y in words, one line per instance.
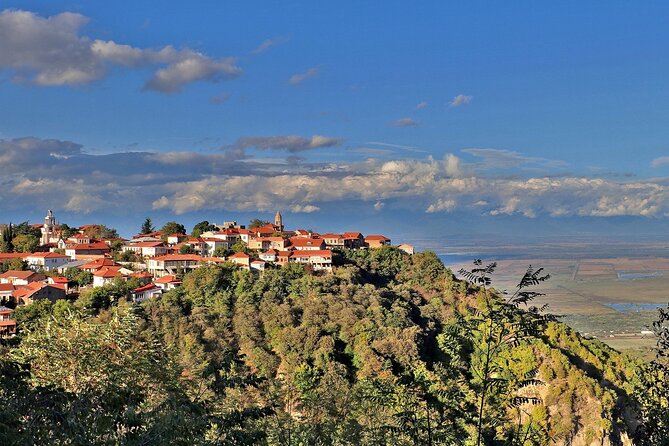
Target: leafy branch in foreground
column 497, row 325
column 653, row 429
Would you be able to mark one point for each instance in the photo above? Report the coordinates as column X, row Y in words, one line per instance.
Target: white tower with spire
column 48, row 230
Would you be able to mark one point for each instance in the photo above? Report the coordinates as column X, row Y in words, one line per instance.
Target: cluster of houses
column 158, row 260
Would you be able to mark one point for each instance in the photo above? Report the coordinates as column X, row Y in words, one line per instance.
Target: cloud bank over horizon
column 48, row 173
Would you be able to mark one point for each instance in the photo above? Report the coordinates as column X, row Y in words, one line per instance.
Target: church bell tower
column 278, row 221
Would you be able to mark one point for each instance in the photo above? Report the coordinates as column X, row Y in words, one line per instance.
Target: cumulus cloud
column 441, row 206
column 405, row 122
column 460, row 100
column 304, row 208
column 298, row 78
column 421, row 105
column 660, row 161
column 289, row 143
column 61, row 174
column 50, row 51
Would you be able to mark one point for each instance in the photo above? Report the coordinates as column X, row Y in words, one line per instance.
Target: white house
column 47, row 261
column 147, row 249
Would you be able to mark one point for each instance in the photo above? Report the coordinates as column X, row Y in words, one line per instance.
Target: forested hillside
column 390, row 349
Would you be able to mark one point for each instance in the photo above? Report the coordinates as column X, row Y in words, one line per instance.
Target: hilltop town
column 61, row 261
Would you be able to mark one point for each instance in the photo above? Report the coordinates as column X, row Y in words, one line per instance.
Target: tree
column 25, row 243
column 7, row 237
column 240, row 246
column 101, row 232
column 24, row 228
column 15, row 264
column 257, row 223
column 147, row 226
column 201, row 227
column 653, row 395
column 497, row 325
column 172, row 227
column 186, row 249
column 66, row 231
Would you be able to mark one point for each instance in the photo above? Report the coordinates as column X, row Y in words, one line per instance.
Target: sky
column 454, row 118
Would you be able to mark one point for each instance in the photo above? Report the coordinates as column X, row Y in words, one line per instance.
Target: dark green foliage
column 390, row 349
column 203, row 226
column 257, row 223
column 147, row 227
column 654, row 389
column 172, row 227
column 101, row 232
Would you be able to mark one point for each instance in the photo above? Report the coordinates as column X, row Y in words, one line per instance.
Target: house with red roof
column 87, row 249
column 333, row 240
column 241, row 259
column 96, row 264
column 146, row 292
column 353, row 240
column 21, row 277
column 6, row 292
column 27, row 294
column 170, row 263
column 7, row 324
column 47, row 261
column 269, row 255
column 168, row 282
column 306, row 244
column 409, row 249
column 377, row 241
column 258, row 265
column 146, row 249
column 318, row 260
column 107, row 274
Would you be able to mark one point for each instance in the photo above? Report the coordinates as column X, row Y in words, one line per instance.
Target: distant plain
column 612, row 298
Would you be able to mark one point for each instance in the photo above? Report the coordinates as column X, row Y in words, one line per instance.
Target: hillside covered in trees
column 390, row 349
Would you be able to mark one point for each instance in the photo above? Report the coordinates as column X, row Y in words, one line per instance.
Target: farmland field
column 612, row 299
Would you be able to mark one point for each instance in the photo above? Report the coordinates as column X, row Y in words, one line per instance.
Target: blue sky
column 485, row 116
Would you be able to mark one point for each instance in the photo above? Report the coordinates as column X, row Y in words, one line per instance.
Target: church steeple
column 278, row 220
column 48, row 230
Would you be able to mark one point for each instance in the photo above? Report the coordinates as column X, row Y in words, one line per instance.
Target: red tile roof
column 377, row 237
column 180, row 257
column 240, row 255
column 168, row 279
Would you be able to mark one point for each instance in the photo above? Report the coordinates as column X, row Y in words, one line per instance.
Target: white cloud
column 460, row 100
column 405, row 122
column 298, row 78
column 441, row 206
column 421, row 105
column 660, row 161
column 304, row 208
column 288, row 143
column 379, row 205
column 60, row 174
column 51, row 51
column 269, row 43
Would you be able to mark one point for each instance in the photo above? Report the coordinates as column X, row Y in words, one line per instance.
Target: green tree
column 25, row 243
column 257, row 223
column 172, row 227
column 201, row 227
column 101, row 232
column 653, row 392
column 498, row 325
column 186, row 249
column 66, row 231
column 6, row 239
column 147, row 226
